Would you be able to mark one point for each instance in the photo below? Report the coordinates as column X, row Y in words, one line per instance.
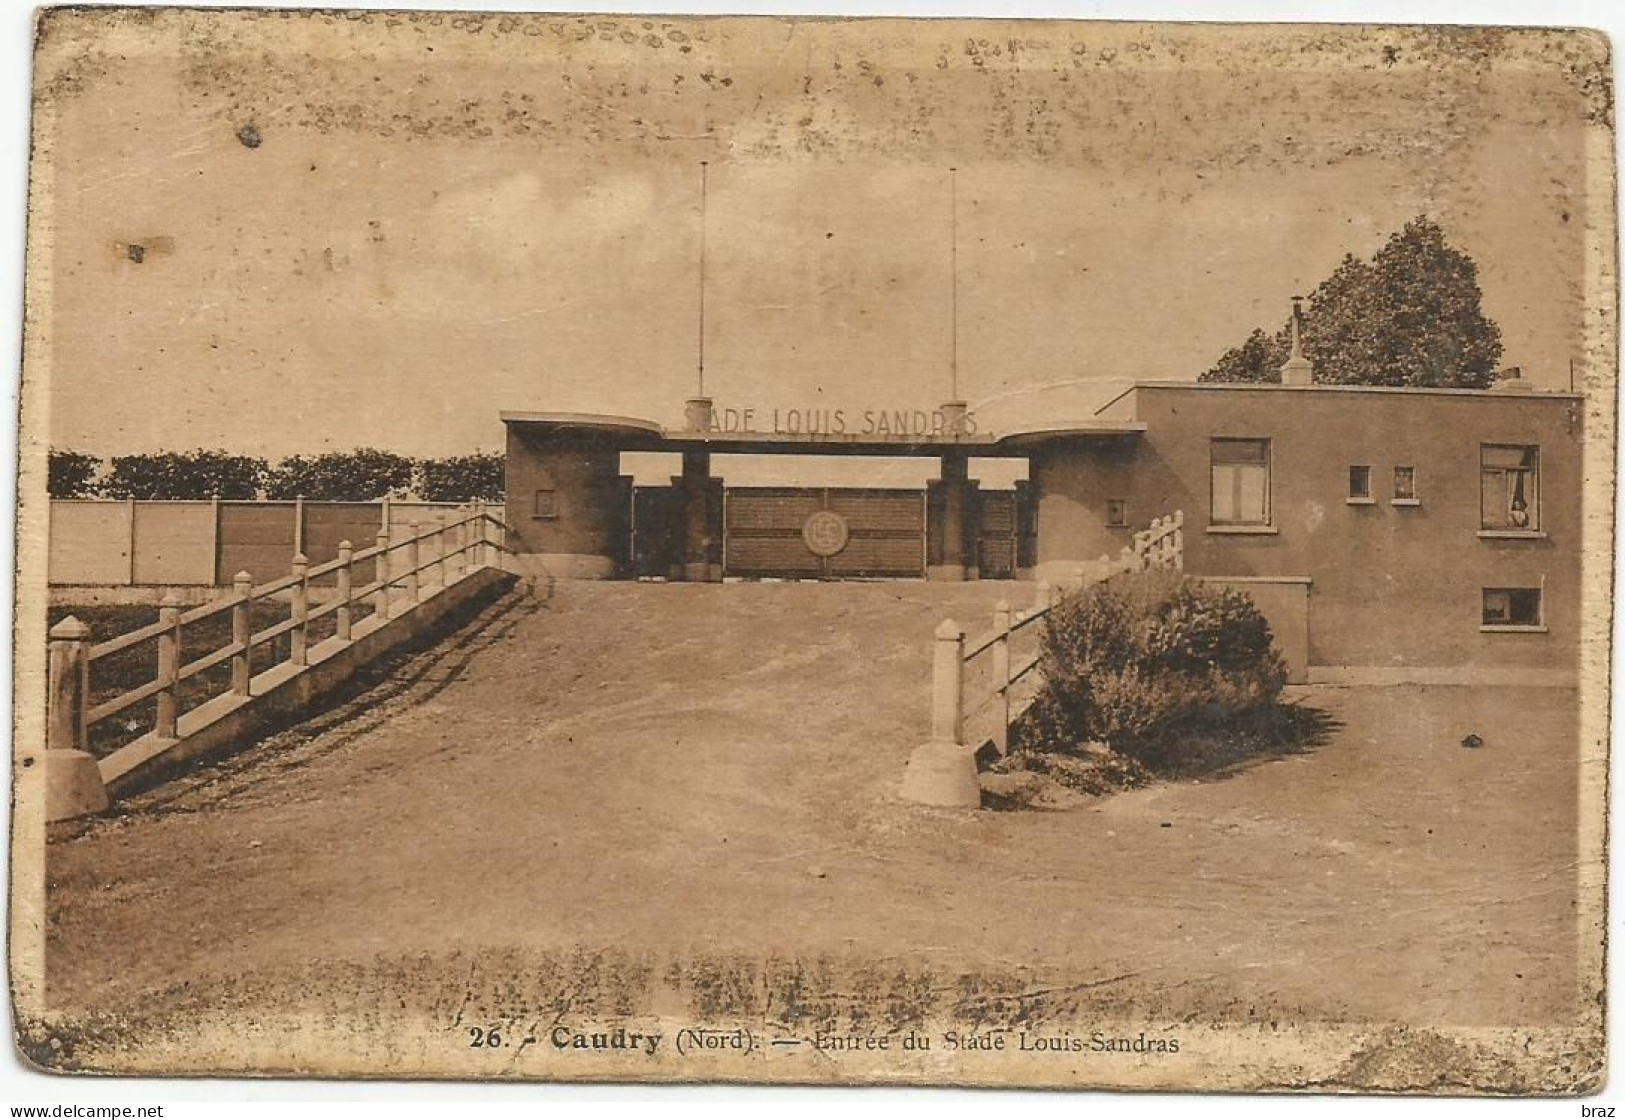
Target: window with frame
column 1405, row 484
column 1360, row 484
column 1241, row 482
column 1116, row 513
column 1512, row 607
column 546, row 505
column 1510, row 484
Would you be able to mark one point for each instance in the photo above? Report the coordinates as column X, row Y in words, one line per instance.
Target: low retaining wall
column 284, row 693
column 1284, row 603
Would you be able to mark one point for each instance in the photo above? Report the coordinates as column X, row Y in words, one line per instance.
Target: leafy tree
column 72, row 474
column 362, row 475
column 1411, row 316
column 176, row 475
column 463, row 478
column 1257, row 359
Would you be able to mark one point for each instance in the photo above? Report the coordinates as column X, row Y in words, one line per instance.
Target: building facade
column 1388, row 534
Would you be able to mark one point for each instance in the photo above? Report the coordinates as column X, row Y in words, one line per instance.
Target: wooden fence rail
column 455, row 549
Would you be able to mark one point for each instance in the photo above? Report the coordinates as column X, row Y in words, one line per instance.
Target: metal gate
column 656, row 532
column 996, row 536
column 823, row 532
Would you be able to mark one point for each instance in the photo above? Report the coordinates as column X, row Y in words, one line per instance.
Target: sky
column 385, row 232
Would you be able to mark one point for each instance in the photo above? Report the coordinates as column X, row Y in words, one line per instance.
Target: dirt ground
column 693, row 788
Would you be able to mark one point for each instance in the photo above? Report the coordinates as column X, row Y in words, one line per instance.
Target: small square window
column 1359, row 484
column 1116, row 513
column 1404, row 484
column 547, row 504
column 1512, row 606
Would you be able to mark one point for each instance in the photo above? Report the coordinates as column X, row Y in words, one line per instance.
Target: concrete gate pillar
column 951, row 502
column 700, row 497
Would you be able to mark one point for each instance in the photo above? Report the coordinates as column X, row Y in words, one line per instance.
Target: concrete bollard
column 1001, row 674
column 943, row 770
column 73, row 783
column 169, row 665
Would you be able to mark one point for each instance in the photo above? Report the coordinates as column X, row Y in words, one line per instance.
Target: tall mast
column 703, row 178
column 953, row 268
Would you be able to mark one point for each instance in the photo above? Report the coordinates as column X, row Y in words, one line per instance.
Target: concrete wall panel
column 174, row 543
column 90, row 542
column 257, row 538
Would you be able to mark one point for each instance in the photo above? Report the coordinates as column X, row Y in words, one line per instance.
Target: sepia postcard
column 815, row 550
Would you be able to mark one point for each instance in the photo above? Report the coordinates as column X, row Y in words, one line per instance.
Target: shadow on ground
column 1055, row 780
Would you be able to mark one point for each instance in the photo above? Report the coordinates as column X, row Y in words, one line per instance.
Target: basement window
column 547, row 505
column 1360, row 486
column 1512, row 608
column 1116, row 513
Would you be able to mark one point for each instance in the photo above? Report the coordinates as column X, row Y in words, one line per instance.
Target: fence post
column 1179, row 540
column 440, row 550
column 129, row 539
column 299, row 643
column 1001, row 674
column 412, row 564
column 1080, row 575
column 1129, row 560
column 459, row 541
column 381, row 570
column 73, row 784
column 169, row 665
column 69, row 675
column 346, row 582
column 214, row 541
column 242, row 632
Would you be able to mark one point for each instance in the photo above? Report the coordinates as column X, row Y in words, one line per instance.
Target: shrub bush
column 1144, row 657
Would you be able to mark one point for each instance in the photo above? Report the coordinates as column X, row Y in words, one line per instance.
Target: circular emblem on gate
column 825, row 533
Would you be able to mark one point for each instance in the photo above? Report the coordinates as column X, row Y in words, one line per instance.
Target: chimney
column 697, row 414
column 1297, row 370
column 1510, row 380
